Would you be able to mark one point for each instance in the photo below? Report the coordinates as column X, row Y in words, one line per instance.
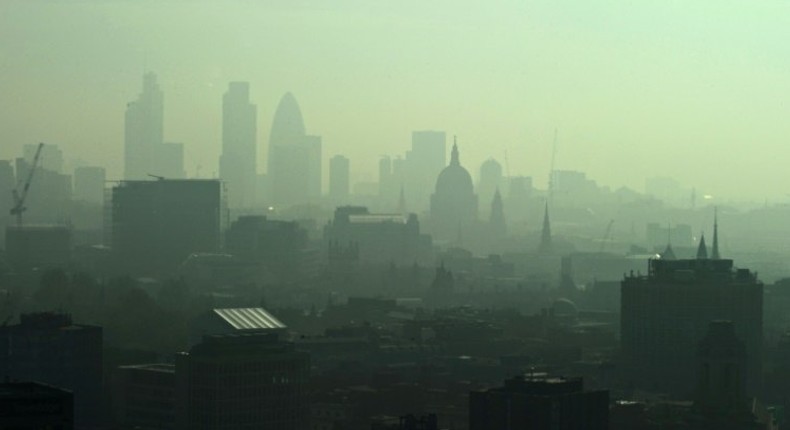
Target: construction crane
column 606, row 235
column 19, row 199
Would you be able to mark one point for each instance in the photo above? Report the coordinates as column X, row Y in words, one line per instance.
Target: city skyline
column 652, row 105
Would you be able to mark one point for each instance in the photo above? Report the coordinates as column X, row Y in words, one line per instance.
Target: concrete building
column 157, row 224
column 539, row 402
column 251, row 379
column 230, row 321
column 424, row 161
column 34, row 406
column 489, row 181
column 50, row 348
column 665, row 314
column 339, row 179
column 237, row 164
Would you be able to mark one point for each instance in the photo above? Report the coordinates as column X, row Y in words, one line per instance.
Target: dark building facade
column 35, row 406
column 242, row 381
column 539, row 403
column 49, row 348
column 157, row 224
column 144, row 396
column 665, row 314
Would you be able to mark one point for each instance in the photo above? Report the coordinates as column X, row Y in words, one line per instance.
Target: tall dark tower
column 497, row 219
column 237, row 164
column 715, row 250
column 721, row 386
column 545, row 236
column 143, row 130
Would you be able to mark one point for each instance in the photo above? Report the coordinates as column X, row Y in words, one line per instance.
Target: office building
column 144, row 396
column 248, row 378
column 237, row 165
column 144, row 130
column 539, row 402
column 51, row 157
column 666, row 313
column 424, row 161
column 35, row 406
column 339, row 179
column 157, row 224
column 50, row 348
column 489, row 181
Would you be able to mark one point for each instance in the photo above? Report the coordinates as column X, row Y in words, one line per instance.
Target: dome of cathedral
column 454, row 179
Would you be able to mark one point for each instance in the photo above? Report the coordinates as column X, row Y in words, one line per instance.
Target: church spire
column 497, row 218
column 715, row 249
column 454, row 156
column 545, row 237
column 702, row 251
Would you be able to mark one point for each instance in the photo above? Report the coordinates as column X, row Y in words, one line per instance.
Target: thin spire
column 454, row 156
column 669, row 253
column 545, row 237
column 715, row 249
column 702, row 251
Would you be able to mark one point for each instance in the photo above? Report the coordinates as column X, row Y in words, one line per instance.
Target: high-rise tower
column 294, row 175
column 339, row 179
column 144, row 130
column 237, row 165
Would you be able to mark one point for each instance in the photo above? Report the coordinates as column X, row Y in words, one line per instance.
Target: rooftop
column 250, row 319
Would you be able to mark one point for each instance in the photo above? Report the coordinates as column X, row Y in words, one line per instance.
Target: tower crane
column 606, row 235
column 19, row 198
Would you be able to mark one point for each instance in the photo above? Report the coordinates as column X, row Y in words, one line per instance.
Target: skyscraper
column 339, row 174
column 144, row 130
column 89, row 184
column 237, row 165
column 490, row 180
column 294, row 174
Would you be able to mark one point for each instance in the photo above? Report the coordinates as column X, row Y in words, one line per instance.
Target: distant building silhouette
column 144, row 130
column 156, row 225
column 383, row 238
column 539, row 402
column 545, row 233
column 294, row 173
column 238, row 162
column 423, row 163
column 496, row 221
column 665, row 314
column 50, row 348
column 490, row 180
column 51, row 156
column 454, row 203
column 339, row 179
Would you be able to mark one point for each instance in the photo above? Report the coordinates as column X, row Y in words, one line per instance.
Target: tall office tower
column 242, row 378
column 144, row 131
column 156, row 225
column 237, row 164
column 490, row 180
column 49, row 348
column 339, row 179
column 425, row 160
column 539, row 402
column 288, row 156
column 51, row 157
column 33, row 405
column 665, row 314
column 386, row 183
column 89, row 184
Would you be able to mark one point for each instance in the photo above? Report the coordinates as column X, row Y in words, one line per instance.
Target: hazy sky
column 696, row 90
